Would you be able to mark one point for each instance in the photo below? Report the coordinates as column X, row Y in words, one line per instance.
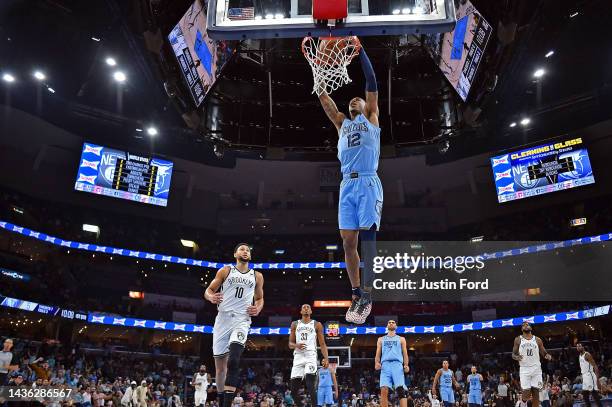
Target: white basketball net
column 329, row 58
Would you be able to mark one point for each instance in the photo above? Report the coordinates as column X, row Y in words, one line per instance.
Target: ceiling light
column 269, row 16
column 139, row 130
column 51, row 90
column 279, row 16
column 573, row 14
column 111, row 61
column 119, row 76
column 7, row 77
column 550, row 54
column 396, row 11
column 40, row 76
column 525, row 121
column 406, row 11
column 152, row 131
column 258, row 17
column 96, row 39
column 513, row 124
column 188, row 243
column 417, row 10
column 91, row 228
column 539, row 73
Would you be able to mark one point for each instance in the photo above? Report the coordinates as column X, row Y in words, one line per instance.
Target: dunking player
column 447, row 381
column 475, row 392
column 527, row 349
column 238, row 292
column 303, row 338
column 590, row 376
column 392, row 361
column 361, row 193
column 327, row 381
column 201, row 381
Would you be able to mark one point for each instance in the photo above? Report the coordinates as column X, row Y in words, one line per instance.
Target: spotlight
column 152, row 131
column 539, row 73
column 96, row 39
column 269, row 16
column 525, row 121
column 138, row 130
column 111, row 61
column 7, row 77
column 258, row 17
column 513, row 124
column 188, row 243
column 279, row 16
column 574, row 14
column 91, row 228
column 396, row 11
column 549, row 54
column 406, row 11
column 51, row 90
column 39, row 76
column 119, row 76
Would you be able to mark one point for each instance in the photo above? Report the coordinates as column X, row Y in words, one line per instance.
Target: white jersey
column 238, row 291
column 306, row 334
column 530, row 352
column 585, row 367
column 200, row 381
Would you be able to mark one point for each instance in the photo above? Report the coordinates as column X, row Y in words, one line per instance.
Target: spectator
column 129, row 397
column 142, row 393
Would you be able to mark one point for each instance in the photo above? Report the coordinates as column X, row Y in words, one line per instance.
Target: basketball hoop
column 329, row 58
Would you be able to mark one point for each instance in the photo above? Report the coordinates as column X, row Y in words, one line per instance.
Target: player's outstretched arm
column 543, row 351
column 515, row 349
column 211, row 294
column 255, row 309
column 322, row 344
column 331, row 110
column 371, row 88
column 377, row 364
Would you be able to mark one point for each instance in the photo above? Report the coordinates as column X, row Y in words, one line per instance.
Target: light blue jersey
column 474, row 380
column 358, row 146
column 361, row 193
column 391, row 349
column 325, row 378
column 446, row 378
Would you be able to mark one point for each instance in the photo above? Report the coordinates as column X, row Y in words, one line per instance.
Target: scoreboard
column 124, row 175
column 542, row 169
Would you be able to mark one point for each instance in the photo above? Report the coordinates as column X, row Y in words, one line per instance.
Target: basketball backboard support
column 257, row 19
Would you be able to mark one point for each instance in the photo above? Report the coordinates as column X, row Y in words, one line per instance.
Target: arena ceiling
column 70, row 41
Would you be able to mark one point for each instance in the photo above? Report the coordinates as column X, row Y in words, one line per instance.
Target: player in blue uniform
column 392, row 361
column 446, row 379
column 475, row 394
column 327, row 380
column 361, row 193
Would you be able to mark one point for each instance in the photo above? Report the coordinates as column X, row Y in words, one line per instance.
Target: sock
column 228, row 398
column 357, row 292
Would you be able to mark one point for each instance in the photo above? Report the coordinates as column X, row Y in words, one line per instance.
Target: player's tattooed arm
column 331, row 110
column 212, row 292
column 543, row 351
column 255, row 309
column 377, row 364
column 372, row 107
column 322, row 344
column 515, row 349
column 292, row 341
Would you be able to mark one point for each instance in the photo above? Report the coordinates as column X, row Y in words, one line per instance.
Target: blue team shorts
column 475, row 398
column 392, row 375
column 325, row 396
column 447, row 394
column 360, row 205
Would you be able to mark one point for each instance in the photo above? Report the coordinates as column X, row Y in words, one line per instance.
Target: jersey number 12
column 353, row 140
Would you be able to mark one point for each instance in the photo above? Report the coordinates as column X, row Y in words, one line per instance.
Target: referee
column 502, row 393
column 6, row 360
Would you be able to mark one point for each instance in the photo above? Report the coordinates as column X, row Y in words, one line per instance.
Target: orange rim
column 351, row 39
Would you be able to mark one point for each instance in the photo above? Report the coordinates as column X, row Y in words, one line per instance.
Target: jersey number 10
column 239, row 292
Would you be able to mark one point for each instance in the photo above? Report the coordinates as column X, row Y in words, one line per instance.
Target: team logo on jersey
column 240, row 336
column 312, row 368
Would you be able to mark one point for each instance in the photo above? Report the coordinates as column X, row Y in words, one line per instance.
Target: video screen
column 542, row 169
column 120, row 174
column 201, row 59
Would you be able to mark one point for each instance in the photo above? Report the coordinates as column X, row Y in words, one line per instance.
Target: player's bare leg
column 350, row 240
column 384, row 397
column 220, row 374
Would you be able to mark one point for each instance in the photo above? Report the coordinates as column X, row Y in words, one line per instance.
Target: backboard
column 255, row 19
